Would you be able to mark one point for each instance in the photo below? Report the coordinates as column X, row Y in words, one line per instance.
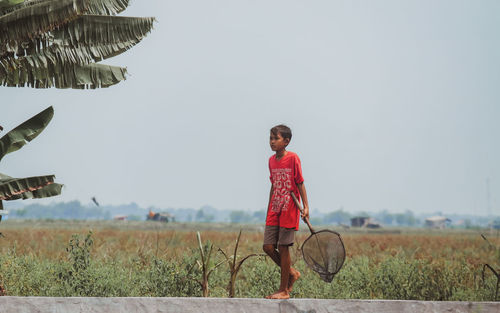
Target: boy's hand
column 305, row 213
column 303, row 195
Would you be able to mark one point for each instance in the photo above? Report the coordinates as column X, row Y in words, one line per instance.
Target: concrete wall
column 222, row 305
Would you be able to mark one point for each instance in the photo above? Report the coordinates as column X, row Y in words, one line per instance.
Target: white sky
column 393, row 105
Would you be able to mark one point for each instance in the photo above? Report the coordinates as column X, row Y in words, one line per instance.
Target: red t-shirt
column 286, row 173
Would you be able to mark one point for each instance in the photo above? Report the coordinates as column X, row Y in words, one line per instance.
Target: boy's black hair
column 283, row 130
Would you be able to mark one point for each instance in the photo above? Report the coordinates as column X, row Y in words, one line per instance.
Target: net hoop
column 326, row 274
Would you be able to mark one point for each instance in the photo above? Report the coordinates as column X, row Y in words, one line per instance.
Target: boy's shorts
column 275, row 235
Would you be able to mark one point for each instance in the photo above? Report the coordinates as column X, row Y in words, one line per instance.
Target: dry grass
column 119, row 240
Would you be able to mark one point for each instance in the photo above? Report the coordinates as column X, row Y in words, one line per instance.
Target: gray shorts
column 275, row 235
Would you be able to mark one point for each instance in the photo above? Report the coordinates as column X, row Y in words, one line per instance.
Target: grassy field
column 117, row 258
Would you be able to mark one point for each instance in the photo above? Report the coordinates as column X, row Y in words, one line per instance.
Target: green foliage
column 79, row 252
column 77, row 276
column 172, row 279
column 206, row 264
column 397, row 275
column 82, row 276
column 259, row 278
column 393, row 279
column 235, row 265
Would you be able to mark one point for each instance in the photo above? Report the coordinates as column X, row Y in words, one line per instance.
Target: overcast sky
column 393, row 105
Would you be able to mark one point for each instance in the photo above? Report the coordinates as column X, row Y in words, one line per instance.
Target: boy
column 282, row 214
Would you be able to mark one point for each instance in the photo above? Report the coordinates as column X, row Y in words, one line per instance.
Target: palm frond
column 27, row 131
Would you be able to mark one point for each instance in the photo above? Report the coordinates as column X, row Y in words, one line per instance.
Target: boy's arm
column 270, row 196
column 303, row 196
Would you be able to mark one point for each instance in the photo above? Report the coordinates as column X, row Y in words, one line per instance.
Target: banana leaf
column 33, row 18
column 27, row 131
column 9, row 3
column 4, row 4
column 28, row 187
column 88, row 39
column 56, row 54
column 109, row 7
column 93, row 30
column 56, row 43
column 45, row 73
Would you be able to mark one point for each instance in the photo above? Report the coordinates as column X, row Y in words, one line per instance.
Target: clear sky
column 393, row 105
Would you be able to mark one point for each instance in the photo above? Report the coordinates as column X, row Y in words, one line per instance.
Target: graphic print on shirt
column 282, row 184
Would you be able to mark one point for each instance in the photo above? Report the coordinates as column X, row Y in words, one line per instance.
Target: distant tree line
column 331, row 218
column 342, row 217
column 62, row 210
column 208, row 214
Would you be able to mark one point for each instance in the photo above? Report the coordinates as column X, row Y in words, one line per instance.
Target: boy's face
column 277, row 142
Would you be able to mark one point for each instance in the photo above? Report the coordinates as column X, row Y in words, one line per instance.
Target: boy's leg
column 271, row 251
column 285, row 262
column 271, row 235
column 287, row 237
column 288, row 274
column 276, row 257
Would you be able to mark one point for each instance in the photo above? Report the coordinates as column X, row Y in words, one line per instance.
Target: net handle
column 306, row 219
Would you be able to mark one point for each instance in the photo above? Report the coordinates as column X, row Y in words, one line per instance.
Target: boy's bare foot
column 279, row 295
column 294, row 275
column 269, row 296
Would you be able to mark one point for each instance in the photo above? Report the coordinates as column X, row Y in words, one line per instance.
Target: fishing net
column 324, row 253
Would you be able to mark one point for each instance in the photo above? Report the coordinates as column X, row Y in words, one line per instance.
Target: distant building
column 364, row 221
column 120, row 217
column 437, row 222
column 371, row 223
column 358, row 221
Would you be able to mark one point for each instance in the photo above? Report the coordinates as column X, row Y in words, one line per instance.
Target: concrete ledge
column 198, row 305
